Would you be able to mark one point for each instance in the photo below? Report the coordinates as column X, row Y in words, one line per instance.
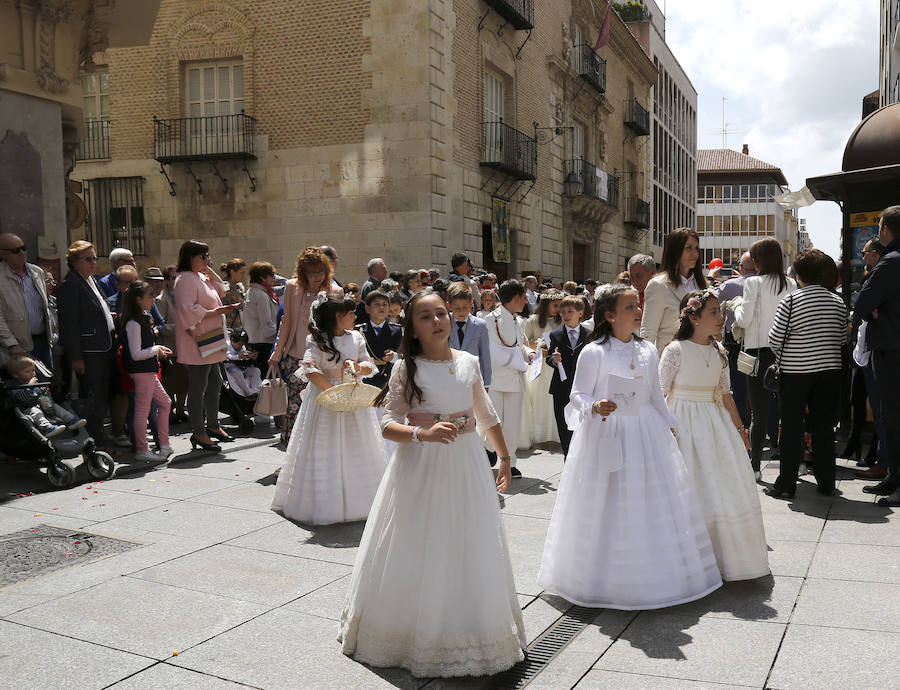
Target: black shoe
column 852, row 449
column 780, row 495
column 213, row 447
column 891, row 500
column 492, row 458
column 882, row 488
column 514, row 471
column 221, row 435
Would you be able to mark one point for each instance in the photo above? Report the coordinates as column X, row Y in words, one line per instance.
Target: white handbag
column 272, row 398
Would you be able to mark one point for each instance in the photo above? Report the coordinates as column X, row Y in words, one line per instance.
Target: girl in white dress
column 627, row 531
column 537, row 330
column 432, row 589
column 694, row 376
column 335, row 460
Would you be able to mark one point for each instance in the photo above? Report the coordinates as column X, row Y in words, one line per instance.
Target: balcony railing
column 204, row 138
column 95, row 145
column 594, row 182
column 637, row 117
column 637, row 212
column 518, row 13
column 590, row 66
column 510, row 151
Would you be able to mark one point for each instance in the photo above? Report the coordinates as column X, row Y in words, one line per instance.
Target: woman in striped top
column 809, row 329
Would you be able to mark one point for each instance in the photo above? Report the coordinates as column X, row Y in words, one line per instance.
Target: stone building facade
column 382, row 127
column 44, row 44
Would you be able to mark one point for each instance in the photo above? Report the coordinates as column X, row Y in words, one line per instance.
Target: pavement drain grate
column 40, row 550
column 545, row 648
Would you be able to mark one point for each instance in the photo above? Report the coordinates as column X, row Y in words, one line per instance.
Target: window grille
column 115, row 214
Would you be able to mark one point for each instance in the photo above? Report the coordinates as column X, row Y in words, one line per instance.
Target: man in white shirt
column 510, row 357
column 531, row 293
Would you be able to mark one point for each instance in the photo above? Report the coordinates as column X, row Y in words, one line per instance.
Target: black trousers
column 565, row 436
column 858, row 399
column 820, row 392
column 886, row 369
column 262, row 350
column 759, row 406
column 94, row 390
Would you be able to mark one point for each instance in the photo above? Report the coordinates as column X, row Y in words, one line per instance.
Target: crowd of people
column 663, row 389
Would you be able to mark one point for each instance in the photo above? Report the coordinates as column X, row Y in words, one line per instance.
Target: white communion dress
column 334, row 460
column 694, row 377
column 627, row 531
column 543, row 427
column 432, row 588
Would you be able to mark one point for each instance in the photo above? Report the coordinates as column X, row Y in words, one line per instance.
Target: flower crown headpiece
column 695, row 304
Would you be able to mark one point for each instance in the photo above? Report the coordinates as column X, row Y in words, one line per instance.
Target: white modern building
column 736, row 205
column 673, row 129
column 889, row 54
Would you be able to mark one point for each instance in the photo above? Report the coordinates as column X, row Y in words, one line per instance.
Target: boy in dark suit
column 382, row 338
column 566, row 343
column 472, row 329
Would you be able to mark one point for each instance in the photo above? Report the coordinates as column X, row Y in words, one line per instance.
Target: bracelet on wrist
column 415, row 435
column 505, row 458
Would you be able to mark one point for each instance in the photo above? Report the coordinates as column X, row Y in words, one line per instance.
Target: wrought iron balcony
column 204, row 138
column 637, row 212
column 95, row 145
column 593, row 182
column 590, row 66
column 509, row 151
column 518, row 13
column 637, row 117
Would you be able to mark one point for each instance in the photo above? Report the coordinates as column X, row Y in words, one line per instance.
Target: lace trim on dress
column 457, row 655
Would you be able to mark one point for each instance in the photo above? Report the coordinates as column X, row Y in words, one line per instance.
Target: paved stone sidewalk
column 221, row 592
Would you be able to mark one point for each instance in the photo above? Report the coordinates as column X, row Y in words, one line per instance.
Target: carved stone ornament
column 52, row 13
column 94, row 39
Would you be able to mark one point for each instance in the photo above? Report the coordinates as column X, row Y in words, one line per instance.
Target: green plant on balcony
column 631, row 11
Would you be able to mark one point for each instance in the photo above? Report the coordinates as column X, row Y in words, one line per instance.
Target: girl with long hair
column 140, row 359
column 542, row 426
column 432, row 589
column 681, row 273
column 627, row 531
column 334, row 460
column 695, row 379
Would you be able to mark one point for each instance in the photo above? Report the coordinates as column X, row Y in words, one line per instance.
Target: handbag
column 272, row 398
column 746, row 363
column 772, row 376
column 211, row 340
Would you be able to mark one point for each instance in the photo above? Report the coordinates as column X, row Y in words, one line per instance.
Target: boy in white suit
column 510, row 357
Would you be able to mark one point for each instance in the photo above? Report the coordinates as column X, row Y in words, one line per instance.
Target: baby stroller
column 238, row 407
column 22, row 439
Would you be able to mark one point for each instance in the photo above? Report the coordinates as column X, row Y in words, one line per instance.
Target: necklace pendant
column 452, row 370
column 632, row 366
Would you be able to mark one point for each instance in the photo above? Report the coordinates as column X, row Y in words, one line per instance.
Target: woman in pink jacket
column 199, row 310
column 314, row 274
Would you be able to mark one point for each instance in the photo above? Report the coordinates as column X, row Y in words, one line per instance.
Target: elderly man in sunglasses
column 25, row 324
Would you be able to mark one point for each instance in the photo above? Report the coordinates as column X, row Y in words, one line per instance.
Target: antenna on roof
column 725, row 131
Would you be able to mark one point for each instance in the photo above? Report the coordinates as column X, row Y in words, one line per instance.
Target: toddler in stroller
column 241, row 382
column 35, row 402
column 36, row 429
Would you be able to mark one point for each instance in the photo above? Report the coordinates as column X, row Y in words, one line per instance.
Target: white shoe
column 122, row 441
column 77, row 424
column 166, row 451
column 149, row 456
column 757, row 476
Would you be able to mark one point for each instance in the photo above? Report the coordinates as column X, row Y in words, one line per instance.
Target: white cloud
column 794, row 73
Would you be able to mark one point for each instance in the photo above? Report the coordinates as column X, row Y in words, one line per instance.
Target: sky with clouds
column 794, row 73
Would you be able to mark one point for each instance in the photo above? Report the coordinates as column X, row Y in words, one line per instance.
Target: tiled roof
column 727, row 160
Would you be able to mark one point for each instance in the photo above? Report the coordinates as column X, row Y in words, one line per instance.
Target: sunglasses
column 17, row 250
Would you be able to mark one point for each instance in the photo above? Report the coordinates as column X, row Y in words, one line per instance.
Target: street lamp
column 571, row 185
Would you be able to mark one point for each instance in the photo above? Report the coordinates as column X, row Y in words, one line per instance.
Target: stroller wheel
column 101, row 465
column 60, row 475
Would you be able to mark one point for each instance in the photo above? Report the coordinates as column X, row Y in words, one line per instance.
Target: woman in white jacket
column 260, row 310
column 755, row 315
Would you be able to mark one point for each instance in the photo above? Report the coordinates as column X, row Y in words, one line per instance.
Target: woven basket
column 348, row 397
